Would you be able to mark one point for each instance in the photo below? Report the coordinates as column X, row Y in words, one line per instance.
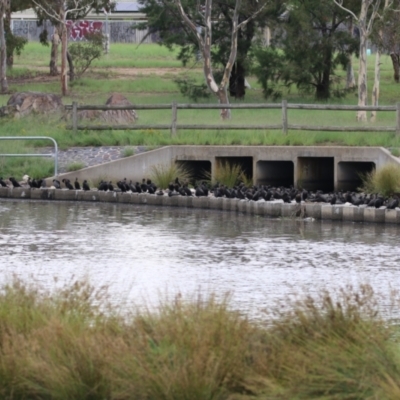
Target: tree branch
column 189, row 23
column 245, row 22
column 339, row 3
column 234, row 38
column 373, row 15
column 54, row 11
column 54, row 15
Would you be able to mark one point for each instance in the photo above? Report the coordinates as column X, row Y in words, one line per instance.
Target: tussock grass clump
column 128, row 151
column 75, row 166
column 332, row 347
column 395, row 151
column 48, row 343
column 385, row 180
column 194, row 350
column 163, row 174
column 229, row 175
column 73, row 344
column 20, row 166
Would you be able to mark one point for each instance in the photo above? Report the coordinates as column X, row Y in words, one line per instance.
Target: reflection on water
column 142, row 251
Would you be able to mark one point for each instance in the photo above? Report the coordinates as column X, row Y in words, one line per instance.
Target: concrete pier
column 325, row 168
column 260, row 208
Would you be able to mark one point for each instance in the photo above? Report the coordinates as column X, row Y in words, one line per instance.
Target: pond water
column 144, row 252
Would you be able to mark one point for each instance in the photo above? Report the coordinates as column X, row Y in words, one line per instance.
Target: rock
column 119, row 116
column 88, row 114
column 25, row 103
column 123, row 117
column 7, row 111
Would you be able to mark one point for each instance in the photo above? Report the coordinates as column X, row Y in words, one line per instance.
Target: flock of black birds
column 203, row 189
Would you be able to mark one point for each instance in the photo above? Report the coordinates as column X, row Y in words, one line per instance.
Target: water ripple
column 142, row 251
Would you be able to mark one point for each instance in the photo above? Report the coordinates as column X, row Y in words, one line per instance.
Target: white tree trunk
column 377, row 78
column 55, row 41
column 3, row 50
column 64, row 49
column 350, row 79
column 365, row 22
column 224, row 99
column 375, row 90
column 362, row 65
column 362, row 77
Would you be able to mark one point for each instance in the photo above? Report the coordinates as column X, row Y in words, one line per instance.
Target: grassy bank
column 72, row 344
column 145, row 75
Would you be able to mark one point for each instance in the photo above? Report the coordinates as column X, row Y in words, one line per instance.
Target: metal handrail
column 34, row 155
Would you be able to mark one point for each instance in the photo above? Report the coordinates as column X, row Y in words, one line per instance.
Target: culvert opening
column 350, row 174
column 275, row 173
column 198, row 170
column 245, row 164
column 316, row 173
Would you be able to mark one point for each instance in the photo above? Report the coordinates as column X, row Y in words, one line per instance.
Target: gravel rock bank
column 90, row 156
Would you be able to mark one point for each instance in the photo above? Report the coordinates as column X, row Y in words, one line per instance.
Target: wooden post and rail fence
column 284, row 126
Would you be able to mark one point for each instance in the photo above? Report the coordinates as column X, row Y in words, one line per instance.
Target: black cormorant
column 77, row 185
column 85, row 185
column 14, row 182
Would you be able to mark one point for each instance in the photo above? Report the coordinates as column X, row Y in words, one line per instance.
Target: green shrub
column 84, row 53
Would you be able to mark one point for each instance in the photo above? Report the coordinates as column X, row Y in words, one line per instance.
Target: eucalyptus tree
column 310, row 42
column 364, row 17
column 386, row 35
column 204, row 40
column 387, row 9
column 219, row 33
column 14, row 43
column 58, row 12
column 4, row 7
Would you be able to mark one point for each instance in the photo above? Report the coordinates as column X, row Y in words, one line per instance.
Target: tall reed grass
column 72, row 344
column 385, row 180
column 229, row 175
column 163, row 174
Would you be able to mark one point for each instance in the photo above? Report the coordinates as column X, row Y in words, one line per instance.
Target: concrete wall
column 134, row 167
column 309, row 165
column 261, row 208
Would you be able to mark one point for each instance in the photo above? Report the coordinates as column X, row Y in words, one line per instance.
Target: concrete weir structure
column 326, row 168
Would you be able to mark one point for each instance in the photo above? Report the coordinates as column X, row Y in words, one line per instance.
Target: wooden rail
column 285, row 126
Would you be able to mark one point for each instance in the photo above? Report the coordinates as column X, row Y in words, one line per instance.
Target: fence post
column 398, row 118
column 284, row 117
column 174, row 118
column 75, row 116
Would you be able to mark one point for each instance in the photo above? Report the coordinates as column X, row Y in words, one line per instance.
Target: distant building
column 124, row 10
column 119, row 25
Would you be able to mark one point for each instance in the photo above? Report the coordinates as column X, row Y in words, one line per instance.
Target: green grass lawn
column 145, row 75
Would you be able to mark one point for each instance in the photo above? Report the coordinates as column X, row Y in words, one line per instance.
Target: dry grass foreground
column 72, row 344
